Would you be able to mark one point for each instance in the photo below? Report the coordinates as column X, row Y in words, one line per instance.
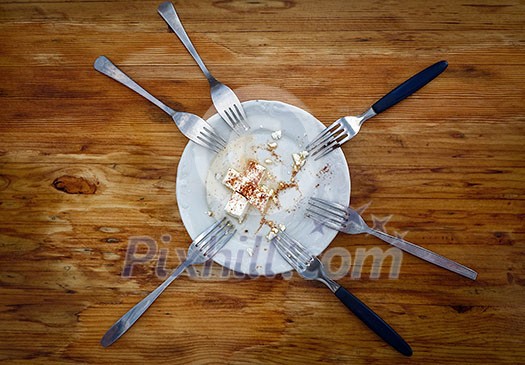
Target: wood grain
column 85, row 165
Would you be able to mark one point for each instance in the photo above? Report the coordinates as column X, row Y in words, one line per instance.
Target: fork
column 193, row 127
column 311, row 268
column 347, row 220
column 345, row 128
column 224, row 99
column 204, row 247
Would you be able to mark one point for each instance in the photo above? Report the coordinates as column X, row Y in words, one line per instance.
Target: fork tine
column 201, row 140
column 236, row 117
column 210, row 141
column 329, row 204
column 211, row 229
column 324, row 143
column 296, row 248
column 231, row 120
column 226, row 237
column 344, row 140
column 288, row 256
column 327, row 150
column 333, row 138
column 212, row 239
column 241, row 116
column 214, row 136
column 323, row 147
column 325, row 214
column 314, row 144
column 341, row 136
column 310, row 146
column 339, row 142
column 216, row 242
column 327, row 138
column 295, row 262
column 336, row 217
column 325, row 220
column 335, row 142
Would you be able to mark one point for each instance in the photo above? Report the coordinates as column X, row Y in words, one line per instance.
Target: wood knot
column 75, row 185
column 457, row 135
column 4, row 182
column 461, row 308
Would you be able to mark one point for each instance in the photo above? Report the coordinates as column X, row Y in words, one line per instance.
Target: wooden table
column 86, row 165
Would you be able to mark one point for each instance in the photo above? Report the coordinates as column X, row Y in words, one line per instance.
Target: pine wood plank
column 445, row 168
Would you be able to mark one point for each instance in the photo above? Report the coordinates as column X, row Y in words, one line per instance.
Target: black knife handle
column 373, row 321
column 409, row 87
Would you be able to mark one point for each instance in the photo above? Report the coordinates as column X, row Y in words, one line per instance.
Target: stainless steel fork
column 311, row 268
column 347, row 220
column 192, row 126
column 224, row 99
column 204, row 247
column 345, row 128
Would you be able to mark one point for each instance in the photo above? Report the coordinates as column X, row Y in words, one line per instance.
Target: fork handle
column 373, row 321
column 409, row 87
column 425, row 254
column 169, row 14
column 106, row 67
column 127, row 320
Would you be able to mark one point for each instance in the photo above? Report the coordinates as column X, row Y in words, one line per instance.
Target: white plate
column 200, row 191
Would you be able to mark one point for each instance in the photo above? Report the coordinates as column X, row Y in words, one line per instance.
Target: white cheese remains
column 237, row 206
column 298, row 160
column 277, row 134
column 246, row 190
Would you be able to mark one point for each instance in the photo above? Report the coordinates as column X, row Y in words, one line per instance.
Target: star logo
column 318, row 228
column 400, row 235
column 362, row 208
column 380, row 223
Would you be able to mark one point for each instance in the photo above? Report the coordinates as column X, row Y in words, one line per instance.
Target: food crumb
column 274, row 229
column 275, row 199
column 272, row 146
column 268, row 161
column 209, row 213
column 323, row 171
column 298, row 160
column 250, row 251
column 277, row 134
